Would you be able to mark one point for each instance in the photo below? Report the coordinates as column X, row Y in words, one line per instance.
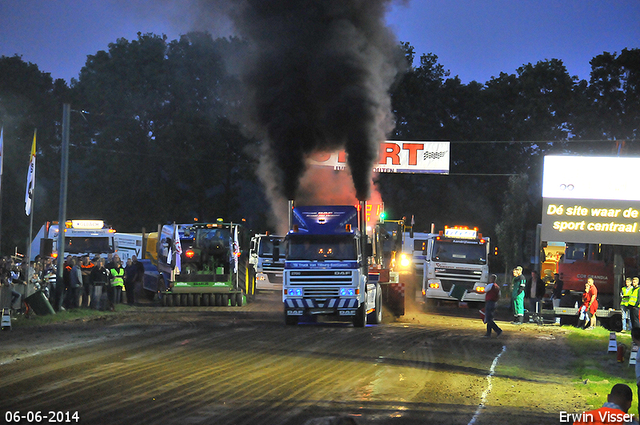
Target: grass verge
column 596, row 369
column 64, row 316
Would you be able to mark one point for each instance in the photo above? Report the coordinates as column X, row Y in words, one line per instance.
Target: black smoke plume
column 318, row 79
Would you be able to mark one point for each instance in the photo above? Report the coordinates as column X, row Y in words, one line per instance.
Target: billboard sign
column 591, row 200
column 398, row 157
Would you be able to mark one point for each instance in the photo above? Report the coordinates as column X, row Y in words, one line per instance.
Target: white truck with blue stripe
column 326, row 266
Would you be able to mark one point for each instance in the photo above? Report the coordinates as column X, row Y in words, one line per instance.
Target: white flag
column 236, row 250
column 31, row 177
column 178, row 245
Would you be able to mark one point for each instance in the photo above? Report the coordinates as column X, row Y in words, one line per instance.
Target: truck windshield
column 93, row 245
column 459, row 252
column 266, row 247
column 330, row 247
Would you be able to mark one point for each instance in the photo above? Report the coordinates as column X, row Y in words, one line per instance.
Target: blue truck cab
column 326, row 266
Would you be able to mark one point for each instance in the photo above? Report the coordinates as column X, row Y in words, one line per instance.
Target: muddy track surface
column 213, row 365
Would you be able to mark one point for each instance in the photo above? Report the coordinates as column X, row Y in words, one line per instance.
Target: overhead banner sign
column 398, row 157
column 591, row 200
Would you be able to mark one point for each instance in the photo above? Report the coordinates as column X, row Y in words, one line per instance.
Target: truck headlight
column 405, row 261
column 480, row 289
column 347, row 292
column 295, row 292
column 434, row 284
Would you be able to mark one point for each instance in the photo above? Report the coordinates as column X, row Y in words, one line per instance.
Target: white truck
column 128, row 245
column 456, row 266
column 326, row 266
column 415, row 243
column 266, row 255
column 82, row 237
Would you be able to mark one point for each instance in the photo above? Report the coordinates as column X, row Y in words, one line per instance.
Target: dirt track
column 243, row 366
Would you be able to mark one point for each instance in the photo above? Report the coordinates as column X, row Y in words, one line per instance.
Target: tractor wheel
column 232, row 299
column 196, row 299
column 190, row 300
column 239, row 299
column 184, row 299
column 169, row 299
column 225, row 300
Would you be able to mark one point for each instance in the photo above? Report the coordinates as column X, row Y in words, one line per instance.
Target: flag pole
column 62, row 212
column 31, row 189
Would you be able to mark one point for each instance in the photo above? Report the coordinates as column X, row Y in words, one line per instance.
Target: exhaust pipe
column 290, row 214
column 363, row 233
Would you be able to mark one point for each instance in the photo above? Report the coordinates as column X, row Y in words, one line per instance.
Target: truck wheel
column 225, row 300
column 232, row 299
column 376, row 316
column 239, row 299
column 360, row 319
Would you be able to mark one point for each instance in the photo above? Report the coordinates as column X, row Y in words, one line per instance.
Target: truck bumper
column 439, row 294
column 329, row 307
column 269, row 281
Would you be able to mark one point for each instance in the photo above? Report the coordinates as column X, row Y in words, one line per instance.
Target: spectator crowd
column 98, row 283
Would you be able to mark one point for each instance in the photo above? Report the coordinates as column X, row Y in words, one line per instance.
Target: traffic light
column 382, row 216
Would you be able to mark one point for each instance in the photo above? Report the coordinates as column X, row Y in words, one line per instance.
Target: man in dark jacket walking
column 134, row 273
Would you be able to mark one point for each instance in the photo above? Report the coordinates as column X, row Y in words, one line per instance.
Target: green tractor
column 213, row 267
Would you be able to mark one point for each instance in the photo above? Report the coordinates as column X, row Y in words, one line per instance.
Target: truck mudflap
column 392, row 290
column 393, row 297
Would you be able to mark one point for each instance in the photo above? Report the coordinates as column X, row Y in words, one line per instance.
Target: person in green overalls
column 517, row 295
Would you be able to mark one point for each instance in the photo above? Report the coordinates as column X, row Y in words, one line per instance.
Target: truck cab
column 326, row 267
column 456, row 265
column 267, row 257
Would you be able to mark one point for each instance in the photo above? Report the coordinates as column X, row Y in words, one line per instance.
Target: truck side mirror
column 276, row 250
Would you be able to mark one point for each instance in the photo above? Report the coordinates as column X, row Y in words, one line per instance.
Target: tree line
column 155, row 136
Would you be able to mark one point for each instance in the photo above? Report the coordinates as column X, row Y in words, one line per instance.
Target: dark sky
column 474, row 40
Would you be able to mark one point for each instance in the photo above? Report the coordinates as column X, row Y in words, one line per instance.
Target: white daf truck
column 456, row 266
